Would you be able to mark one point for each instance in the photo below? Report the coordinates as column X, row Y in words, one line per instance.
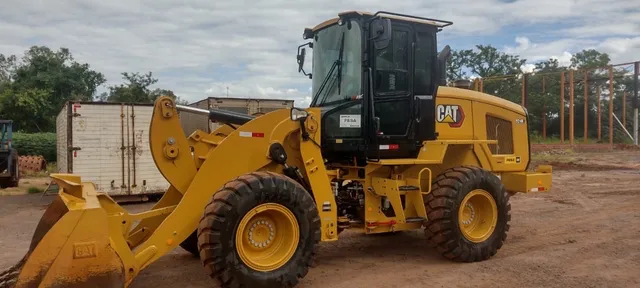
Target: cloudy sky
column 199, row 48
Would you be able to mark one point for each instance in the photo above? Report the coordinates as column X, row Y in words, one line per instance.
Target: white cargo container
column 108, row 144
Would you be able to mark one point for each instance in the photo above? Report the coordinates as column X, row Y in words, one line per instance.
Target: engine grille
column 500, row 129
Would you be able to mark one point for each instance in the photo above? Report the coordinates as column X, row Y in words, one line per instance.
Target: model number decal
column 350, row 121
column 512, row 160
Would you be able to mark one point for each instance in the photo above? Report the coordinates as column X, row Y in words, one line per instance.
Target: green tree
column 586, row 64
column 499, row 71
column 594, row 63
column 487, row 61
column 164, row 92
column 457, row 63
column 7, row 68
column 544, row 96
column 27, row 107
column 589, row 59
column 136, row 89
column 33, row 90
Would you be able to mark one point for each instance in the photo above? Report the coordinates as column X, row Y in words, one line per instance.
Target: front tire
column 259, row 230
column 191, row 244
column 468, row 214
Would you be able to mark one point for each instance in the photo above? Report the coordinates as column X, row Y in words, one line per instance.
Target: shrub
column 36, row 144
column 34, row 190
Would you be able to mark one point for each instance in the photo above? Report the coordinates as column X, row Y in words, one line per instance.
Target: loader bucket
column 71, row 244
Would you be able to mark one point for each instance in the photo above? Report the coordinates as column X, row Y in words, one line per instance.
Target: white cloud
column 527, row 68
column 242, row 89
column 621, row 49
column 198, row 48
column 558, row 49
column 623, row 29
column 564, row 59
column 587, row 24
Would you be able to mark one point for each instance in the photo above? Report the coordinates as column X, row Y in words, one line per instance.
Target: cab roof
column 390, row 15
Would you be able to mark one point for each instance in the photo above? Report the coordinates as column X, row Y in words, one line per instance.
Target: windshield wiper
column 323, row 84
column 338, row 64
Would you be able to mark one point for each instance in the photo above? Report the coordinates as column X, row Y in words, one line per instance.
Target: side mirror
column 443, row 58
column 301, row 55
column 381, row 29
column 302, row 52
column 297, row 114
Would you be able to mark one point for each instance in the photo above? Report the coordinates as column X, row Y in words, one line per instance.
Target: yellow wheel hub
column 267, row 237
column 477, row 216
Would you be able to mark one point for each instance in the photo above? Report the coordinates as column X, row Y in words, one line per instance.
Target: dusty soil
column 36, row 184
column 585, row 232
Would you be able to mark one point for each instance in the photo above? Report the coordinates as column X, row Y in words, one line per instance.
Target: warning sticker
column 350, row 121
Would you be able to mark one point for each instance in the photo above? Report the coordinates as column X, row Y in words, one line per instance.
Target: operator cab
column 375, row 78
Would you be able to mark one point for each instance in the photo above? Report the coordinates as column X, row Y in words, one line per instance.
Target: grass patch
column 51, row 168
column 34, row 190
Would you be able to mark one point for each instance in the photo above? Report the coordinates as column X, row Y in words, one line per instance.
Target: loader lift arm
column 179, row 170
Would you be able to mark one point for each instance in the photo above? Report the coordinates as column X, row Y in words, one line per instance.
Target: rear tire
column 295, row 221
column 452, row 229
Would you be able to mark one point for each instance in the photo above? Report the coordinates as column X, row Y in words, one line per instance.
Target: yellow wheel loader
column 385, row 146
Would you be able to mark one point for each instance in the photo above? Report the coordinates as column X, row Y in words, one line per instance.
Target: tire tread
column 441, row 228
column 255, row 188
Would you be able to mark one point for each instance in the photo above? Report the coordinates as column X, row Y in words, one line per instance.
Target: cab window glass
column 425, row 58
column 392, row 65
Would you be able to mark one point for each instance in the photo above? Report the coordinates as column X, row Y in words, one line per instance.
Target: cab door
column 393, row 95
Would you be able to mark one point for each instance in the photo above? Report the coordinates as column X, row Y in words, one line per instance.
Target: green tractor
column 9, row 174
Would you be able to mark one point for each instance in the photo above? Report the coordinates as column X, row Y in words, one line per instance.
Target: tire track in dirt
column 561, row 233
column 582, row 233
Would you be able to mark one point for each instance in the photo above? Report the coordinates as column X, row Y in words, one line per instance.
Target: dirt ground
column 35, row 184
column 585, row 232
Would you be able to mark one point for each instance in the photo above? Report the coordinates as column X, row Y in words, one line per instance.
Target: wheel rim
column 477, row 216
column 267, row 237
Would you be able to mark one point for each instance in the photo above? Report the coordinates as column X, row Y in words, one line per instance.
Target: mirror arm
column 303, row 129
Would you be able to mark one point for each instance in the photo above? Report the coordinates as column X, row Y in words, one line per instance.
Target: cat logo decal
column 450, row 114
